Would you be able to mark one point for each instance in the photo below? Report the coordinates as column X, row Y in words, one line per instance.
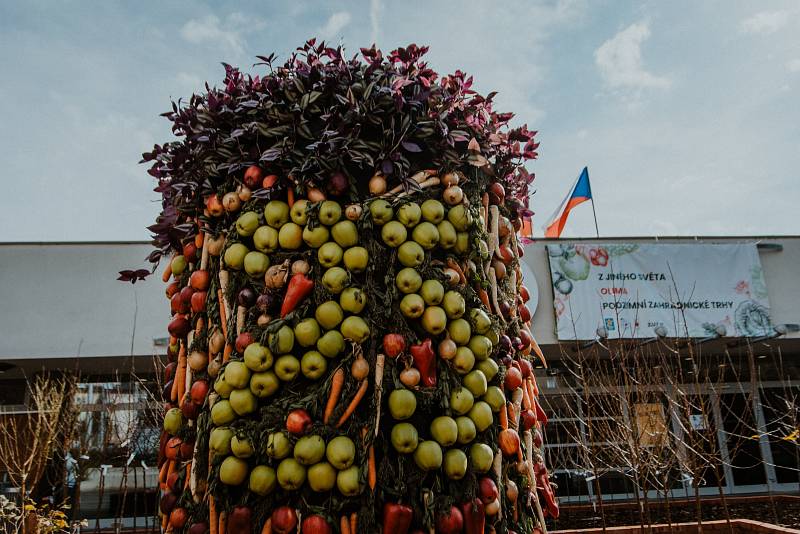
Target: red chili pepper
column 474, row 516
column 599, row 257
column 396, row 518
column 543, row 485
column 541, row 416
column 425, row 362
column 299, row 287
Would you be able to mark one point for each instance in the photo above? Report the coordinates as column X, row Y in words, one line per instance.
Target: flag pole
column 597, row 231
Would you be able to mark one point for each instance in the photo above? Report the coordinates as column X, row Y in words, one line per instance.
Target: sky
column 686, row 113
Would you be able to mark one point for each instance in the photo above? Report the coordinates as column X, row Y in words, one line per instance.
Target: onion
column 213, row 368
column 215, row 244
column 198, row 361
column 300, row 266
column 360, row 368
column 214, row 206
column 512, row 492
column 508, row 440
column 353, row 212
column 499, row 269
column 452, row 276
column 410, row 377
column 447, row 349
column 492, row 508
column 216, row 342
column 315, row 195
column 246, row 297
column 275, row 277
column 453, row 195
column 244, row 193
column 450, row 179
column 338, row 184
column 231, row 202
column 377, row 184
column 263, row 320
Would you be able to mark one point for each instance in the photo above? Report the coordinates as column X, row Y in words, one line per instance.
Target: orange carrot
column 162, row 475
column 198, row 327
column 267, row 529
column 170, row 469
column 222, row 318
column 503, row 418
column 176, row 380
column 212, row 515
column 344, row 525
column 362, row 390
column 164, row 519
column 512, row 415
column 290, row 197
column 453, row 264
column 223, row 522
column 373, row 474
column 526, row 398
column 353, row 523
column 484, row 296
column 336, row 389
column 167, row 273
column 188, row 475
column 180, row 374
column 198, row 240
column 226, row 355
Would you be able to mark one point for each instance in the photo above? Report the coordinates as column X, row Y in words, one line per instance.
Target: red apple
column 198, row 303
column 284, row 520
column 243, row 340
column 393, row 345
column 524, row 313
column 487, row 489
column 240, row 520
column 190, row 252
column 178, row 305
column 497, row 193
column 179, row 326
column 198, row 528
column 528, row 420
column 186, row 294
column 186, row 450
column 214, row 206
column 178, row 518
column 198, row 392
column 173, row 448
column 189, row 409
column 316, row 524
column 174, row 481
column 450, row 522
column 200, row 280
column 298, row 422
column 526, row 368
column 513, row 378
column 167, row 502
column 253, row 176
column 523, row 292
column 169, row 371
column 525, row 338
column 173, row 288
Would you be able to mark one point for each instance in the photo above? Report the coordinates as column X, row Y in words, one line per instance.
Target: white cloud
column 335, row 24
column 374, row 19
column 211, row 30
column 793, row 65
column 765, row 22
column 620, row 60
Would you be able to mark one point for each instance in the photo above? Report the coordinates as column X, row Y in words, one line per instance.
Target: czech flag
column 581, row 192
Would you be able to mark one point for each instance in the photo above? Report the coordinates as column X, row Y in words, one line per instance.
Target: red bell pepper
column 474, row 516
column 397, row 518
column 543, row 485
column 425, row 362
column 299, row 287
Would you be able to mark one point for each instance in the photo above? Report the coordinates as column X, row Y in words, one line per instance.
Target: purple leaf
column 411, row 147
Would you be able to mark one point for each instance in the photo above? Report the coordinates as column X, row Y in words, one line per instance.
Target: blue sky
column 685, row 112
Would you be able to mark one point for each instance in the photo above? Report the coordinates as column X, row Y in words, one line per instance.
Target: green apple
column 381, row 211
column 403, row 404
column 444, row 430
column 455, row 464
column 220, row 440
column 348, row 481
column 313, row 365
column 290, row 236
column 459, row 330
column 316, row 237
column 287, row 367
column 481, row 457
column 461, row 400
column 331, row 344
column 475, row 381
column 282, row 341
column 404, row 438
column 483, row 249
column 355, row 328
column 480, row 346
column 409, row 214
column 341, row 452
column 428, row 455
column 481, row 415
column 459, row 217
column 263, row 480
column 221, row 413
column 234, row 256
column 495, row 398
column 309, row 449
column 432, row 211
column 489, row 368
column 232, row 471
column 493, row 336
column 462, row 243
column 412, row 306
column 278, row 445
column 356, row 259
column 329, row 314
column 222, row 387
column 236, row 374
column 321, row 477
column 410, row 254
column 394, row 234
column 243, row 401
column 345, row 233
column 178, row 265
column 432, row 292
column 299, row 211
column 434, row 320
column 329, row 254
column 307, row 332
column 335, row 280
column 454, row 304
column 329, row 212
column 466, row 430
column 291, row 474
column 464, row 360
column 447, row 235
column 247, row 223
column 257, row 357
column 353, row 300
column 173, row 421
column 266, row 239
column 408, row 280
column 264, row 384
column 241, row 447
column 276, row 213
column 426, row 235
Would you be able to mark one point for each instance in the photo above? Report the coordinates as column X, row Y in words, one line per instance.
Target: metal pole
column 595, row 218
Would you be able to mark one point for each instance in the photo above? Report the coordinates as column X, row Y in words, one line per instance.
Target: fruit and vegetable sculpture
column 351, row 349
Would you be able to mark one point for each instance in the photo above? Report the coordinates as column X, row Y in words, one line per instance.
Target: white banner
column 684, row 290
